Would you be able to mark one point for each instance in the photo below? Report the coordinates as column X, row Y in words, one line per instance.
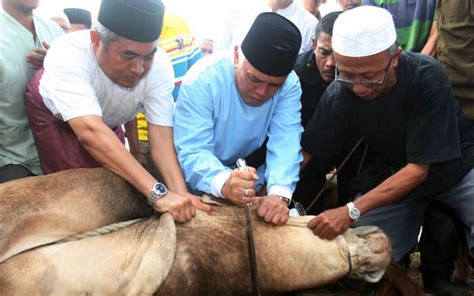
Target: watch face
column 161, row 188
column 354, row 214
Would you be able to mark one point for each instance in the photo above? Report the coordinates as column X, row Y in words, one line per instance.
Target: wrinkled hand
column 36, row 58
column 179, row 206
column 234, row 187
column 273, row 210
column 330, row 223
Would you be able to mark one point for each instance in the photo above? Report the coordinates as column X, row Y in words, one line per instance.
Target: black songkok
column 138, row 20
column 78, row 16
column 272, row 44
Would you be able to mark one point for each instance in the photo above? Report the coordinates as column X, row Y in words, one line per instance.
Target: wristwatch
column 157, row 191
column 354, row 212
column 285, row 199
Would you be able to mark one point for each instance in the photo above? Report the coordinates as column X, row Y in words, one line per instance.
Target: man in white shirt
column 96, row 80
column 241, row 17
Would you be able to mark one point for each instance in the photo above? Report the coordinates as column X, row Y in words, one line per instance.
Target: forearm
column 104, row 146
column 430, row 47
column 393, row 188
column 164, row 156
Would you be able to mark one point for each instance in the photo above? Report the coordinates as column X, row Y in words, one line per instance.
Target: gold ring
column 246, row 192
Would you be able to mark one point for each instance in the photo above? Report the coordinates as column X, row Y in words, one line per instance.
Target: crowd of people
column 379, row 94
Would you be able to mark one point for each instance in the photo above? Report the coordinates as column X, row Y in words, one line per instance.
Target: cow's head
column 370, row 252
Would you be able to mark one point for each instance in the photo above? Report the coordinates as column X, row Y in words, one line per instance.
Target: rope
column 334, row 175
column 253, row 255
column 99, row 231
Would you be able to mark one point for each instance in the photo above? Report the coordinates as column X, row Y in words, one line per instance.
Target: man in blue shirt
column 229, row 105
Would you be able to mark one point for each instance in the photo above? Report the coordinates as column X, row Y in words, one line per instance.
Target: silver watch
column 157, row 191
column 354, row 212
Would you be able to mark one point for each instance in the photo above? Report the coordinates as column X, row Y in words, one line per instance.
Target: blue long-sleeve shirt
column 213, row 127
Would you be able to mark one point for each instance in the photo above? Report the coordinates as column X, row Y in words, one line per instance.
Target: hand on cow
column 330, row 223
column 238, row 183
column 273, row 210
column 36, row 58
column 198, row 204
column 179, row 206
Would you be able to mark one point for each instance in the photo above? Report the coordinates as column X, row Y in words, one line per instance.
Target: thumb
column 202, row 206
column 46, row 45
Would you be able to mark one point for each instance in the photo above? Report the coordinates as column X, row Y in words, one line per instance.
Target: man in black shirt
column 403, row 105
column 315, row 68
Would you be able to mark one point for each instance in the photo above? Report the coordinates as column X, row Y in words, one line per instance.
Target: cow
column 208, row 255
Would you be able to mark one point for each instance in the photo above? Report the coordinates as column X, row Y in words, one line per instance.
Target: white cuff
column 218, row 183
column 281, row 191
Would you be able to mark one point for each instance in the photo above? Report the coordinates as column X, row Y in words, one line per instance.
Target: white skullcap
column 363, row 31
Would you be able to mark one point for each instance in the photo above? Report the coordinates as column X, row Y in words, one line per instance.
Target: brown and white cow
column 208, row 255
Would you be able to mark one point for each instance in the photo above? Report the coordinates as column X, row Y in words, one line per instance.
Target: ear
column 236, row 55
column 314, row 43
column 396, row 56
column 95, row 39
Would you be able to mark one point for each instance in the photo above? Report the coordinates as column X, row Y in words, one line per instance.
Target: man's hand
column 36, row 58
column 273, row 210
column 240, row 188
column 330, row 223
column 198, row 204
column 179, row 206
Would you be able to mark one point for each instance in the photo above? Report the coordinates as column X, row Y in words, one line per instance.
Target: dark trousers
column 439, row 243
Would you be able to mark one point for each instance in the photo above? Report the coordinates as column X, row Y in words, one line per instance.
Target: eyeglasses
column 366, row 83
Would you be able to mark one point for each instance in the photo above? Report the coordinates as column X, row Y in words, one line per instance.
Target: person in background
column 242, row 15
column 180, row 45
column 441, row 237
column 315, row 69
column 96, row 80
column 79, row 18
column 415, row 23
column 312, row 6
column 207, row 46
column 228, row 105
column 456, row 48
column 348, row 4
column 24, row 40
column 63, row 22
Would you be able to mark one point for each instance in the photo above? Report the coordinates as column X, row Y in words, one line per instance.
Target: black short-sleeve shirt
column 417, row 121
